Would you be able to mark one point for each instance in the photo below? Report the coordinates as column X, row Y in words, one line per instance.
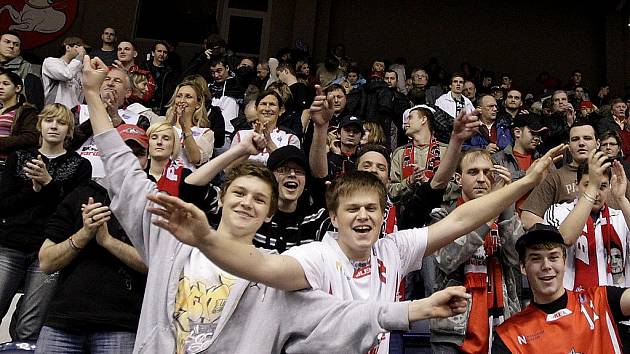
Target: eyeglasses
column 289, row 170
column 609, row 144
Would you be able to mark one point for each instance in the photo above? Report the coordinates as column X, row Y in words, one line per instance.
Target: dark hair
column 13, row 33
column 219, row 60
column 335, row 87
column 376, row 148
column 541, row 246
column 16, row 80
column 254, row 169
column 392, row 71
column 610, row 134
column 155, row 44
column 133, row 44
column 457, row 74
column 286, row 66
column 582, row 171
column 270, row 93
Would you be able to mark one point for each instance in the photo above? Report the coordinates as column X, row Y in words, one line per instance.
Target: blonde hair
column 57, row 110
column 162, row 126
column 200, row 117
column 377, row 136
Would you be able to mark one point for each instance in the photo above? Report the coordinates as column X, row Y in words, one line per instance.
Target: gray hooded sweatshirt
column 255, row 319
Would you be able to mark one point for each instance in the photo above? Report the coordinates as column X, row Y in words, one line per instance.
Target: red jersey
column 585, row 325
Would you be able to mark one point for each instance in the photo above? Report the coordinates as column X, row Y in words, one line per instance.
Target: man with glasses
column 107, row 51
column 300, row 215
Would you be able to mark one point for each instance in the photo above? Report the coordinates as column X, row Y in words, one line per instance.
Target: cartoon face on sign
column 37, row 21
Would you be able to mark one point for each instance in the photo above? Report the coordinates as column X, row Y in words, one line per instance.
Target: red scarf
column 171, row 178
column 486, row 289
column 433, row 159
column 586, row 275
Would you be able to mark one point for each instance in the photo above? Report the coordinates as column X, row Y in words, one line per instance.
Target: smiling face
column 581, row 142
column 126, row 52
column 186, row 99
column 374, row 163
column 291, row 179
column 544, row 269
column 358, row 220
column 268, row 110
column 246, row 204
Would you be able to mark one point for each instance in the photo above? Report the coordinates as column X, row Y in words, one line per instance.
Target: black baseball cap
column 284, row 154
column 539, row 233
column 351, row 120
column 532, row 121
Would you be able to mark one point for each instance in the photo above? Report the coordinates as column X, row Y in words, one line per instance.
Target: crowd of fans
column 133, row 192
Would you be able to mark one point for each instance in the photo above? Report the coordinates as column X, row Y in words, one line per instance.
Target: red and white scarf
column 587, row 275
column 432, row 163
column 171, row 178
column 486, row 289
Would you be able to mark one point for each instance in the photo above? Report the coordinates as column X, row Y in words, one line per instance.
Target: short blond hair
column 162, row 126
column 57, row 110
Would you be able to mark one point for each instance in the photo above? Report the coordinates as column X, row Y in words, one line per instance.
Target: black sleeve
column 82, row 132
column 614, row 302
column 498, row 347
column 191, row 193
column 67, row 218
column 415, row 212
column 35, row 90
column 317, row 188
column 217, row 124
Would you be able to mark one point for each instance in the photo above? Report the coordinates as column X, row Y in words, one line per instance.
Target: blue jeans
column 17, row 268
column 52, row 340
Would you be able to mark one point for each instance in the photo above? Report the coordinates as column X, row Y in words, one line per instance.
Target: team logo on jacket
column 37, row 21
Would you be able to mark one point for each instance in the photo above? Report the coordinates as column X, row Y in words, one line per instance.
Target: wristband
column 74, row 245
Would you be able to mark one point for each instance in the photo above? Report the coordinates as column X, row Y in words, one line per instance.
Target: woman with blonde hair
column 373, row 134
column 187, row 113
column 34, row 182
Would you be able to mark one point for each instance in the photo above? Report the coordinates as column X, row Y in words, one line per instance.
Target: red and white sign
column 37, row 21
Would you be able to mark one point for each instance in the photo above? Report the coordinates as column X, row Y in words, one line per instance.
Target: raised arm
column 464, row 126
column 124, row 252
column 571, row 228
column 472, row 214
column 250, row 145
column 321, row 112
column 94, row 72
column 189, row 225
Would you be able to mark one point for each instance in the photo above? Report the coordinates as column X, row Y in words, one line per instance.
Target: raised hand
column 466, row 125
column 184, row 220
column 38, row 173
column 618, row 181
column 502, row 177
column 254, row 143
column 94, row 72
column 492, row 148
column 94, row 216
column 540, row 168
column 322, row 107
column 597, row 164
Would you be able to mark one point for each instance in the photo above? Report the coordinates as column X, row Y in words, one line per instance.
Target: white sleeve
column 311, row 258
column 56, row 70
column 293, row 140
column 411, row 244
column 554, row 215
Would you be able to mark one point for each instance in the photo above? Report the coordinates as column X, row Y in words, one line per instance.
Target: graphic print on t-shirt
column 198, row 306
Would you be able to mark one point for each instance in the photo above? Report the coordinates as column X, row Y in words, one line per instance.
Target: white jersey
column 557, row 213
column 327, row 268
column 89, row 150
column 205, row 149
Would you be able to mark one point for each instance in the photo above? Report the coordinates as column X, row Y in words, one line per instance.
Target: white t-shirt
column 201, row 295
column 279, row 137
column 556, row 214
column 327, row 268
column 89, row 150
